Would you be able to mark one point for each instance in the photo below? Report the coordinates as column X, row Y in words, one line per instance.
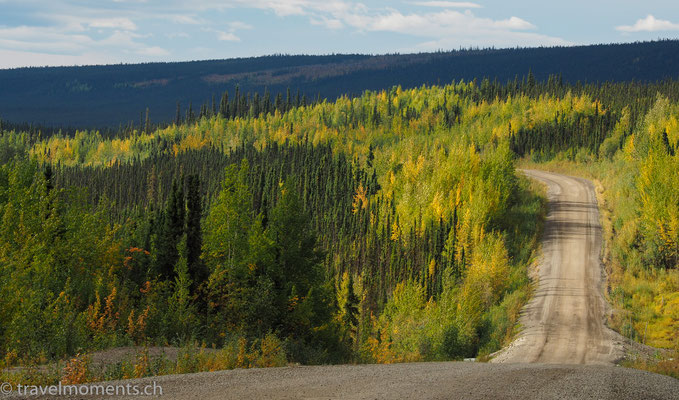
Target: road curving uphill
column 564, row 322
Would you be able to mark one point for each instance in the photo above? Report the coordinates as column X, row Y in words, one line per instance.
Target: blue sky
column 78, row 32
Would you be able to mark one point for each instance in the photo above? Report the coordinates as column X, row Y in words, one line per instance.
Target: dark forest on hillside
column 114, row 95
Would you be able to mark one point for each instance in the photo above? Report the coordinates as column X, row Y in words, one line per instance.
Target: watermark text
column 93, row 389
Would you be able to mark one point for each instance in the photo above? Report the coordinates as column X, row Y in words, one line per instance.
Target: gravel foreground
column 433, row 380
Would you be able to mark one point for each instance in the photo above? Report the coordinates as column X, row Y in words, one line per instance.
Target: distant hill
column 99, row 96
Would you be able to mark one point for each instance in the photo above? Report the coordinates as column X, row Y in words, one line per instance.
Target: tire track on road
column 564, row 322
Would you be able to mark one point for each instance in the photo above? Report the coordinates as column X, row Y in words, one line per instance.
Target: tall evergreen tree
column 147, row 122
column 278, row 104
column 350, row 311
column 224, row 105
column 194, row 239
column 266, row 107
column 235, row 104
column 190, row 116
column 172, row 231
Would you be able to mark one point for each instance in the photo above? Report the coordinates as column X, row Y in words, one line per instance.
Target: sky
column 85, row 32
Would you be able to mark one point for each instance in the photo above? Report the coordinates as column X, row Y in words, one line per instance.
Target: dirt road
column 564, row 322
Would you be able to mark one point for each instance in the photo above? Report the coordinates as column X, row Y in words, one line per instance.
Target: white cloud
column 113, row 23
column 75, row 28
column 649, row 24
column 227, row 37
column 439, row 24
column 122, row 39
column 314, row 8
column 230, row 34
column 16, row 59
column 238, row 25
column 445, row 26
column 185, row 19
column 43, row 39
column 77, row 23
column 284, row 8
column 330, row 23
column 447, row 4
column 514, row 23
column 61, row 46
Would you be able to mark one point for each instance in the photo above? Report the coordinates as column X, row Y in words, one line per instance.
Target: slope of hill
column 383, row 228
column 114, row 94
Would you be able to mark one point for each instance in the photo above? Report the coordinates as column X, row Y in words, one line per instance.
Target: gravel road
column 564, row 322
column 435, row 380
column 564, row 352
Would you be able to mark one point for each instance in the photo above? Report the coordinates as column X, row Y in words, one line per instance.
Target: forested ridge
column 386, row 227
column 111, row 95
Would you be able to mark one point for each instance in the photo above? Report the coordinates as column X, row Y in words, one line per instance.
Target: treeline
column 564, row 133
column 89, row 96
column 571, row 129
column 239, row 106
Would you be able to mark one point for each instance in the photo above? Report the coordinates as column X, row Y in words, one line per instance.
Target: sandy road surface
column 564, row 322
column 563, row 328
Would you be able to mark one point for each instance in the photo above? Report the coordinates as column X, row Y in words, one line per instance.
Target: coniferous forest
column 392, row 226
column 109, row 95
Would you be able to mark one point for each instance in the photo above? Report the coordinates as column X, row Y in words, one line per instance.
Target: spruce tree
column 194, row 239
column 278, row 104
column 171, row 233
column 224, row 105
column 235, row 112
column 266, row 107
column 350, row 312
column 147, row 122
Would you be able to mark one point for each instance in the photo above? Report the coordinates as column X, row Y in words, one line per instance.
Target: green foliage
column 49, row 245
column 194, row 235
column 263, row 278
column 171, row 233
column 386, row 227
column 182, row 312
column 645, row 231
column 348, row 309
column 637, row 167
